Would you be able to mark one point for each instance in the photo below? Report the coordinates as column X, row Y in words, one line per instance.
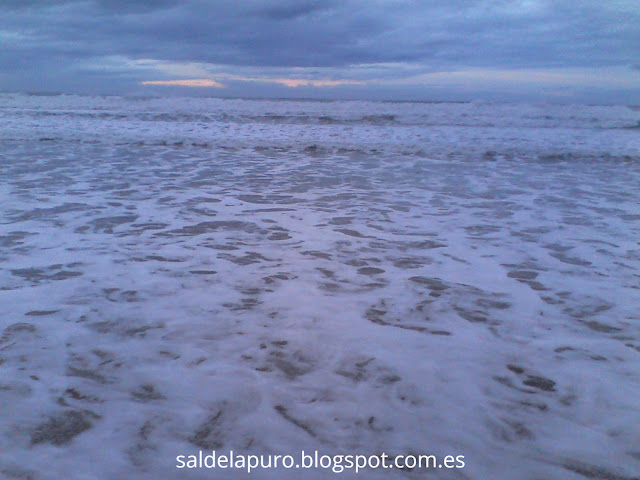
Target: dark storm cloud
column 47, row 37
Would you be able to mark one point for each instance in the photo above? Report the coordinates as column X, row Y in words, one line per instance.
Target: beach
column 267, row 276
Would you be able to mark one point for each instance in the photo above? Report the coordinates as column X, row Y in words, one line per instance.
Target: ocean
column 184, row 275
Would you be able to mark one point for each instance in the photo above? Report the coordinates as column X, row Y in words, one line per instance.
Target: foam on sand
column 224, row 282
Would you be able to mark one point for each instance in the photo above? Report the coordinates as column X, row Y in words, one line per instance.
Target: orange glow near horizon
column 287, row 82
column 197, row 82
column 300, row 82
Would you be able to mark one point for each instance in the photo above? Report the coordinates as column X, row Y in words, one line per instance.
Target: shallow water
column 348, row 277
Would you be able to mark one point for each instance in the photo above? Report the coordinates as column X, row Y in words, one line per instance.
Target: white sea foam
column 347, row 277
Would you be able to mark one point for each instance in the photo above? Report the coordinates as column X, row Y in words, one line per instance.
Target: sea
column 188, row 275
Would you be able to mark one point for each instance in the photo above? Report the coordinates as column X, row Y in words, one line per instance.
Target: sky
column 569, row 51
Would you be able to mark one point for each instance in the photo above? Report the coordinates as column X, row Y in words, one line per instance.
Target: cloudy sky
column 541, row 50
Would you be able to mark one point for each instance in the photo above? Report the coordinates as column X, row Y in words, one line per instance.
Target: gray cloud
column 347, row 38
